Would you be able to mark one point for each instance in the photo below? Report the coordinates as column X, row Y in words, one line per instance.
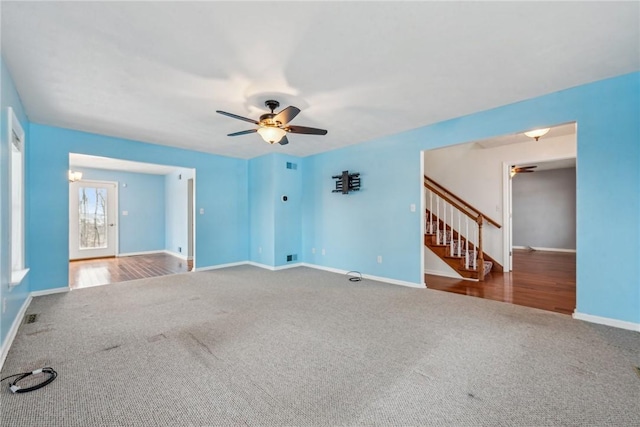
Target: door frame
column 116, row 241
column 507, row 205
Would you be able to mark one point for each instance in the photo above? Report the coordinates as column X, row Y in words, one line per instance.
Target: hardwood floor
column 103, row 271
column 545, row 280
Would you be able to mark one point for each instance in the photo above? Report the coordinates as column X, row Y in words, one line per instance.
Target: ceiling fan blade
column 305, row 130
column 235, row 116
column 243, row 132
column 284, row 140
column 524, row 171
column 286, row 115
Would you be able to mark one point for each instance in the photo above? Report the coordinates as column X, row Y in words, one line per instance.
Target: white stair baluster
column 444, row 223
column 438, row 221
column 459, row 231
column 466, row 244
column 430, row 211
column 475, row 245
column 451, row 251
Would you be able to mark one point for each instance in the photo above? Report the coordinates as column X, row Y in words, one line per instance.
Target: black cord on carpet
column 354, row 278
column 15, row 388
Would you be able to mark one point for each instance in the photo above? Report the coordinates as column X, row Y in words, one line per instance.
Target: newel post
column 480, row 221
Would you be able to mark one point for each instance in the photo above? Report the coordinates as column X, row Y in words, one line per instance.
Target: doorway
column 478, row 172
column 93, row 226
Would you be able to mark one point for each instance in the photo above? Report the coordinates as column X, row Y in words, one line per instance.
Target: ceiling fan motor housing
column 271, row 104
column 267, row 120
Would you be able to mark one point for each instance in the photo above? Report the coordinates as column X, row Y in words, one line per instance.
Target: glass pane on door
column 92, row 209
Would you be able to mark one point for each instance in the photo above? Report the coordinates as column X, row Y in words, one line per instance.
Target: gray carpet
column 245, row 346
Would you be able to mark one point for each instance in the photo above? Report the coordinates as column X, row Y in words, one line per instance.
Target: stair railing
column 474, row 257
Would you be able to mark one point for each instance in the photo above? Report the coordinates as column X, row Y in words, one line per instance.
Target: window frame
column 16, row 133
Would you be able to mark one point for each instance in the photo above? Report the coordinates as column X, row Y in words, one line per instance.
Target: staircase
column 453, row 231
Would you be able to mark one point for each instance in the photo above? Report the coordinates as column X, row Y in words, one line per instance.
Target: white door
column 92, row 219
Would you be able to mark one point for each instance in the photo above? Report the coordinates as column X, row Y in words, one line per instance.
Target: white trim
column 49, row 292
column 423, row 215
column 449, row 275
column 219, row 266
column 272, row 268
column 11, row 335
column 553, row 249
column 161, row 251
column 116, row 221
column 317, row 267
column 175, row 254
column 17, row 277
column 545, row 249
column 607, row 321
column 366, row 276
column 506, row 217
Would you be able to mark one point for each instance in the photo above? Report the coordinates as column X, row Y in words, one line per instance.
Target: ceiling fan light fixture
column 537, row 133
column 271, row 134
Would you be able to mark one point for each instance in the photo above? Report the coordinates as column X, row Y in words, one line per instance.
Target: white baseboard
column 49, row 291
column 537, row 248
column 6, row 345
column 272, row 268
column 366, row 276
column 317, row 267
column 607, row 321
column 175, row 254
column 219, row 266
column 161, row 251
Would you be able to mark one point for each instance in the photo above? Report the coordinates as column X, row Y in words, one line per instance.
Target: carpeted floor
column 245, row 346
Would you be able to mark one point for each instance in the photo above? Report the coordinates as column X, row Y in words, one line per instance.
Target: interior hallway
column 104, row 271
column 545, row 280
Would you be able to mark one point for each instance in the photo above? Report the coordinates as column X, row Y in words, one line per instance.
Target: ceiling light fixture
column 537, row 133
column 74, row 176
column 271, row 134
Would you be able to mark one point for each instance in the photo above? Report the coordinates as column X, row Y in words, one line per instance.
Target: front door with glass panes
column 92, row 219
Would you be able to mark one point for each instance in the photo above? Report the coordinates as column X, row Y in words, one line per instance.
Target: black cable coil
column 15, row 388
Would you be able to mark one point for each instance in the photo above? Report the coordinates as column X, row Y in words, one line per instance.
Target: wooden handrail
column 465, row 207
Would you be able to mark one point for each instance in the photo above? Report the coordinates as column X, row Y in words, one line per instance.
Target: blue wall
column 276, row 225
column 176, row 207
column 354, row 229
column 377, row 221
column 287, row 215
column 16, row 296
column 142, row 196
column 262, row 199
column 221, row 190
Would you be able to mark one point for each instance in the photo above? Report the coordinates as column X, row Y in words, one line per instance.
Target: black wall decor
column 346, row 182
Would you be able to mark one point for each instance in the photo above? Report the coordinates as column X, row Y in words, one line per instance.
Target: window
column 16, row 145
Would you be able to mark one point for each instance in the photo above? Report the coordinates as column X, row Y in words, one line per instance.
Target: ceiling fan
column 274, row 126
column 522, row 169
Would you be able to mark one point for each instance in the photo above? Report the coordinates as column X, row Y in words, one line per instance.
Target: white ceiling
column 96, row 162
column 157, row 71
column 555, row 131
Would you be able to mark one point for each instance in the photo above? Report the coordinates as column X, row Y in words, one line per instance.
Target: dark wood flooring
column 103, row 271
column 545, row 280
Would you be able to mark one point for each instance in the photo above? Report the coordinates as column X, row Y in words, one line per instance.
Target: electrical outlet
column 259, row 249
column 289, row 258
column 180, row 249
column 201, row 211
column 412, row 207
column 379, row 259
column 4, row 304
column 313, row 250
column 323, row 252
